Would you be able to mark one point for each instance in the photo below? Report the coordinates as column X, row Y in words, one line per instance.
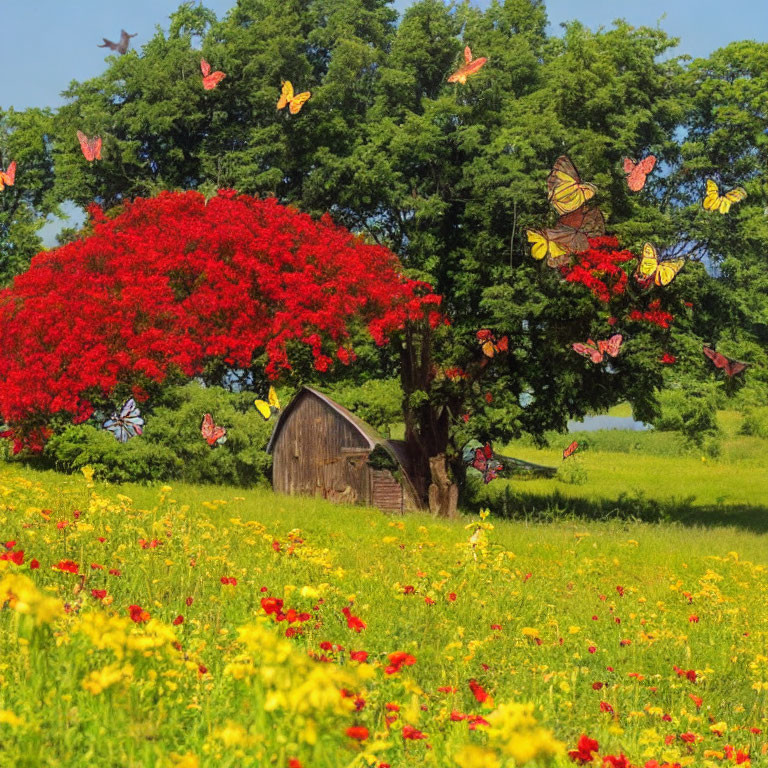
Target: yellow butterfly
column 542, row 246
column 287, row 98
column 264, row 407
column 567, row 192
column 714, row 201
column 662, row 272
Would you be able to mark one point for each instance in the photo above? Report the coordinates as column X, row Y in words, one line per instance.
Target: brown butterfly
column 122, row 46
column 731, row 367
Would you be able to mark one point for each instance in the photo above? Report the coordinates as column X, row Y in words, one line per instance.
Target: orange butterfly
column 470, row 67
column 638, row 172
column 293, row 102
column 91, row 147
column 7, row 178
column 596, row 352
column 490, row 345
column 210, row 79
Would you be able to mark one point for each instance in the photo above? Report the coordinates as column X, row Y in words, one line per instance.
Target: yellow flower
column 7, row 717
column 87, row 471
column 477, row 757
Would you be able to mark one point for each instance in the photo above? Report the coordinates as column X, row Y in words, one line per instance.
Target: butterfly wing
column 298, row 101
column 667, row 271
column 539, row 243
column 212, row 80
column 613, row 345
column 649, row 262
column 85, row 146
column 566, row 192
column 735, row 367
column 503, row 344
column 638, row 172
column 712, row 199
column 467, row 54
column 286, row 95
column 591, row 352
column 647, row 164
column 587, row 219
column 733, row 196
column 720, row 361
column 480, row 462
column 262, row 406
column 130, row 418
column 7, row 178
column 96, row 144
column 272, row 399
column 205, row 67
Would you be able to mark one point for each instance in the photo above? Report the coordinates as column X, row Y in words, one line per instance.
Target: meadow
column 208, row 626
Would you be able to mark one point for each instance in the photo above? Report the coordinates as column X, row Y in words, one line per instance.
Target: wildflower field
column 193, row 626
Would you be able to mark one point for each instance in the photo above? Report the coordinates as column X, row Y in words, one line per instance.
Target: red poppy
column 271, row 605
column 398, row 660
column 99, row 594
column 66, row 566
column 361, row 656
column 189, row 601
column 413, row 734
column 478, row 691
column 584, row 749
column 34, row 564
column 353, row 622
column 138, row 614
column 357, row 732
column 14, row 557
column 616, row 762
column 178, row 620
column 606, row 707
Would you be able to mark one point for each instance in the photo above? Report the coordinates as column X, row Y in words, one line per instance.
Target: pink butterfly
column 91, row 147
column 597, row 351
column 637, row 172
column 210, row 79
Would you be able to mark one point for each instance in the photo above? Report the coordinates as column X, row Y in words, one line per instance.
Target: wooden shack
column 321, row 449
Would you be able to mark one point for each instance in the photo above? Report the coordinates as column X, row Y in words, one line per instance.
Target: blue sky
column 49, row 43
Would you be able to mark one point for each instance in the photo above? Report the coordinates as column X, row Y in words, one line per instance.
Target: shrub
column 171, row 446
column 690, row 410
column 378, row 401
column 755, row 422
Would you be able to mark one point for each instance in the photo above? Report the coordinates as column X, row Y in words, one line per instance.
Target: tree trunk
column 426, row 424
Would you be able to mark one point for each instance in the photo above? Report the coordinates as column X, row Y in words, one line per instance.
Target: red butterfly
column 210, row 79
column 489, row 344
column 570, row 450
column 731, row 367
column 213, row 435
column 91, row 147
column 485, row 463
column 596, row 352
column 637, row 172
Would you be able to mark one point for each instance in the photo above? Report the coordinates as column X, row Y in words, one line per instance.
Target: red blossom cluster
column 353, row 622
column 398, row 660
column 598, row 268
column 174, row 282
column 654, row 315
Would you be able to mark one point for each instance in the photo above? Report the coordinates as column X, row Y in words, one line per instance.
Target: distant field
column 657, row 467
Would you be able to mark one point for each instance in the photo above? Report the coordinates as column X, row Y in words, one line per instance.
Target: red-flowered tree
column 175, row 286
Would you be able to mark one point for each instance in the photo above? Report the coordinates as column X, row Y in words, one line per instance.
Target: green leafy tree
column 25, row 140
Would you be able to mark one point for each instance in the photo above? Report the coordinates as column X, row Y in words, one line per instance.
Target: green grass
column 226, row 688
column 648, row 470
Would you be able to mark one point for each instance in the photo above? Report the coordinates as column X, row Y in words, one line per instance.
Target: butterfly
column 571, row 449
column 295, row 103
column 91, row 147
column 714, row 201
column 567, row 192
column 485, row 463
column 122, row 46
column 650, row 268
column 7, row 178
column 213, row 435
column 265, row 407
column 469, row 67
column 128, row 424
column 596, row 351
column 570, row 235
column 490, row 345
column 637, row 172
column 731, row 367
column 210, row 79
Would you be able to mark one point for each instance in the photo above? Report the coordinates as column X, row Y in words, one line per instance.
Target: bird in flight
column 122, row 46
